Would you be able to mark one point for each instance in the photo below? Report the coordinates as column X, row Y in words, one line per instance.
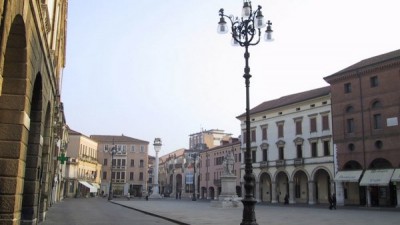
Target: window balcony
column 264, row 164
column 298, row 162
column 280, row 163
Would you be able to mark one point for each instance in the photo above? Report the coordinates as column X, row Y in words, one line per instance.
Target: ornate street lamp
column 247, row 32
column 194, row 155
column 157, row 147
column 112, row 152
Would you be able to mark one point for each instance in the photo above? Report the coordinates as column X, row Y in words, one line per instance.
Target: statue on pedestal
column 229, row 161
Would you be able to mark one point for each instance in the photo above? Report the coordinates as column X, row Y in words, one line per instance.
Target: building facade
column 292, row 148
column 365, row 112
column 171, row 173
column 83, row 168
column 211, row 168
column 32, row 46
column 209, row 138
column 127, row 169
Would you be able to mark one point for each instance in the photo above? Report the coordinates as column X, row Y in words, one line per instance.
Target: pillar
column 291, row 192
column 273, row 193
column 311, row 192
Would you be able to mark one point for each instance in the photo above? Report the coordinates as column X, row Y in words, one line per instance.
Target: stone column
column 339, row 193
column 257, row 194
column 291, row 192
column 311, row 194
column 273, row 193
column 398, row 194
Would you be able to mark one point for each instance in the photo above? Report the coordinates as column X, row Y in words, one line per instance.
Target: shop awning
column 396, row 175
column 348, row 176
column 86, row 184
column 95, row 185
column 380, row 177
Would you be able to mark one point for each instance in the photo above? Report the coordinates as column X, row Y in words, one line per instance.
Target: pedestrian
column 334, row 201
column 330, row 202
column 128, row 196
column 286, row 199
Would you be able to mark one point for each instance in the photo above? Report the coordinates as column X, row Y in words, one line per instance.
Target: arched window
column 349, row 109
column 376, row 105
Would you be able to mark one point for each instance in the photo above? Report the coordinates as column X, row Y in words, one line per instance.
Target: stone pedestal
column 228, row 197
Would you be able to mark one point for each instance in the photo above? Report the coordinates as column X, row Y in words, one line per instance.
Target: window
column 141, row 165
column 141, row 148
column 264, row 133
column 280, row 130
column 349, row 109
column 281, row 156
column 376, row 105
column 297, row 187
column 105, row 162
column 265, row 155
column 374, row 81
column 298, row 127
column 141, row 176
column 325, row 122
column 299, row 151
column 326, row 148
column 350, row 125
column 105, row 147
column 347, row 88
column 314, row 149
column 244, row 137
column 104, row 175
column 132, row 148
column 253, row 156
column 377, row 121
column 132, row 162
column 313, row 124
column 253, row 136
column 131, row 176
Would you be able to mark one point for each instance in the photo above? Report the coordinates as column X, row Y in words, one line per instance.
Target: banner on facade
column 189, row 178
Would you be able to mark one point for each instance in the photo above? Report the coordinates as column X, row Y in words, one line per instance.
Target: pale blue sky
column 157, row 68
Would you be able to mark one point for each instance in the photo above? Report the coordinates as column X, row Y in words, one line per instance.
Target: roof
column 289, row 99
column 373, row 61
column 114, row 138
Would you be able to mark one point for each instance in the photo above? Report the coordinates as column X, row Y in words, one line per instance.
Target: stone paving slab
column 201, row 213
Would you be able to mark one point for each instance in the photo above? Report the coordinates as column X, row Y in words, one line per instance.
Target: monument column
column 157, row 147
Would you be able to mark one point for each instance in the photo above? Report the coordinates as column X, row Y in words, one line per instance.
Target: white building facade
column 292, row 148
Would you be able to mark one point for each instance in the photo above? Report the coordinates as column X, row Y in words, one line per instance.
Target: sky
column 154, row 68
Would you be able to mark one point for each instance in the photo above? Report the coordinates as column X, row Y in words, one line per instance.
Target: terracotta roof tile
column 289, row 99
column 394, row 55
column 117, row 139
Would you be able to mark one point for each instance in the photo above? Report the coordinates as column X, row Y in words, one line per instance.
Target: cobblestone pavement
column 201, row 212
column 97, row 211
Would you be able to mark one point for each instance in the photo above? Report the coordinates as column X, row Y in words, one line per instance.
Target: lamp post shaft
column 249, row 216
column 110, row 193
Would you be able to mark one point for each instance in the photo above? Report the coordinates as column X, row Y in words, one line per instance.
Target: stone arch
column 380, row 163
column 265, row 182
column 46, row 162
column 282, row 184
column 34, row 169
column 300, row 180
column 15, row 107
column 352, row 165
column 323, row 181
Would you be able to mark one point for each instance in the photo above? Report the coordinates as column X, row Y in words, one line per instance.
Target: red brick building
column 366, row 133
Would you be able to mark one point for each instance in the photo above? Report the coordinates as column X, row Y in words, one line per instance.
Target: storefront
column 347, row 187
column 380, row 191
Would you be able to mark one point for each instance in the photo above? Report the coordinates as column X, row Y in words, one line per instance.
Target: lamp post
column 247, row 32
column 157, row 147
column 112, row 152
column 194, row 177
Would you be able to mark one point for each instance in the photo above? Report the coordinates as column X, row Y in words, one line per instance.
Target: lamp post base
column 155, row 195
